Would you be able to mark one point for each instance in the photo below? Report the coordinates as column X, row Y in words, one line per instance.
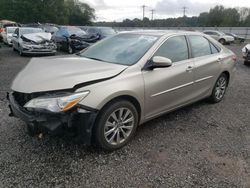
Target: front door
column 168, row 88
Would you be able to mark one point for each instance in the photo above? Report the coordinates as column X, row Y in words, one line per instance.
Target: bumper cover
column 52, row 122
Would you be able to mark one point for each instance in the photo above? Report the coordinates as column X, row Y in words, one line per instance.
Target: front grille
column 22, row 98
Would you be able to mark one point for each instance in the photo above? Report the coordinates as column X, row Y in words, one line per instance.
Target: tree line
column 218, row 16
column 61, row 12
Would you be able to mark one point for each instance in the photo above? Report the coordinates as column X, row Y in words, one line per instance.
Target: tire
column 222, row 41
column 246, row 63
column 111, row 134
column 219, row 89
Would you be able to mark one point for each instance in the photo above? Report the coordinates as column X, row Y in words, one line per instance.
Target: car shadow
column 67, row 140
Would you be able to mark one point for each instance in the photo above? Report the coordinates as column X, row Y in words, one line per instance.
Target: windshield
column 75, row 30
column 30, row 30
column 11, row 29
column 125, row 49
column 107, row 31
column 221, row 33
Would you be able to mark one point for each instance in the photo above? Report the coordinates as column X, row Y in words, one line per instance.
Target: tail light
column 1, row 30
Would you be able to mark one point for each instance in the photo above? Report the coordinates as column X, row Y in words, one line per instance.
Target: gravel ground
column 202, row 145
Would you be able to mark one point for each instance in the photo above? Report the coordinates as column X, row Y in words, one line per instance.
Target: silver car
column 28, row 40
column 107, row 90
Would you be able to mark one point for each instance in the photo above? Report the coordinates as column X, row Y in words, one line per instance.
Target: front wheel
column 246, row 62
column 116, row 125
column 219, row 88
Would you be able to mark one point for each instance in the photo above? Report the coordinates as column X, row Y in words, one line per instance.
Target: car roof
column 162, row 32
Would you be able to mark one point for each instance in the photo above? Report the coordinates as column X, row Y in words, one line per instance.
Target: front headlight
column 57, row 104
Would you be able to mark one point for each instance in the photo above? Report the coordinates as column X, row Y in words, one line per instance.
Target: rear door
column 167, row 88
column 207, row 62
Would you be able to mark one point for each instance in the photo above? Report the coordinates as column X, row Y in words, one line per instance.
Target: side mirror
column 160, row 62
column 14, row 35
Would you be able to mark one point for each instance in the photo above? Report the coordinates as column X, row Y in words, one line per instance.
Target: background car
column 246, row 54
column 72, row 39
column 7, row 35
column 4, row 24
column 100, row 32
column 28, row 40
column 237, row 38
column 220, row 36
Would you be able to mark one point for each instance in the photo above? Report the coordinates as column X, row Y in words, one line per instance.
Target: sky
column 118, row 10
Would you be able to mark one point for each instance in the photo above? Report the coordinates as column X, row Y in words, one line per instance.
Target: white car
column 7, row 35
column 220, row 36
column 28, row 40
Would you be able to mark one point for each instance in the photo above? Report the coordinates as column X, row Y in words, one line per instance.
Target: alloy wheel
column 220, row 88
column 119, row 126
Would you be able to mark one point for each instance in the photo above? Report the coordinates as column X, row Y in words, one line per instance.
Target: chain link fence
column 241, row 31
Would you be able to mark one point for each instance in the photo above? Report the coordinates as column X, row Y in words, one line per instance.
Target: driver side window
column 174, row 48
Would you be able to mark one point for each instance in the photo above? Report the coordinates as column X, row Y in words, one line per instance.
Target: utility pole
column 152, row 14
column 184, row 10
column 143, row 11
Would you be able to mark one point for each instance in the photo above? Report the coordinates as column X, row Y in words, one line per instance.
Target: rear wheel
column 116, row 125
column 222, row 41
column 219, row 89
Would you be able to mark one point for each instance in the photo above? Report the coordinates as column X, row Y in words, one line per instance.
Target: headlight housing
column 57, row 104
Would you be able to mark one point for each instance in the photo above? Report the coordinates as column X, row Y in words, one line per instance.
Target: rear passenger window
column 214, row 49
column 175, row 48
column 199, row 45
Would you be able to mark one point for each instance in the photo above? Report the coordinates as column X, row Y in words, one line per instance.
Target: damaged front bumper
column 80, row 118
column 39, row 49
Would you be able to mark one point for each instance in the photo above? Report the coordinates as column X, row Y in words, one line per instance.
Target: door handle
column 219, row 59
column 189, row 69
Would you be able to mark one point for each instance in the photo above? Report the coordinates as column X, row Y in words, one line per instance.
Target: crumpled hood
column 38, row 37
column 62, row 72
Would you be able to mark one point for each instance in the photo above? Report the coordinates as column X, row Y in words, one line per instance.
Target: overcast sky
column 117, row 10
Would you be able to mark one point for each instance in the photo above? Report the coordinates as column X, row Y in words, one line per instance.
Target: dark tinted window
column 92, row 30
column 175, row 48
column 200, row 46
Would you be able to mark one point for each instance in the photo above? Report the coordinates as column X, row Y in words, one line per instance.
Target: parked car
column 107, row 90
column 72, row 39
column 246, row 54
column 7, row 35
column 4, row 24
column 220, row 36
column 47, row 27
column 237, row 38
column 100, row 32
column 28, row 40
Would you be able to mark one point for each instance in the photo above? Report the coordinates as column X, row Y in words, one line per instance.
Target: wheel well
column 228, row 76
column 129, row 98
